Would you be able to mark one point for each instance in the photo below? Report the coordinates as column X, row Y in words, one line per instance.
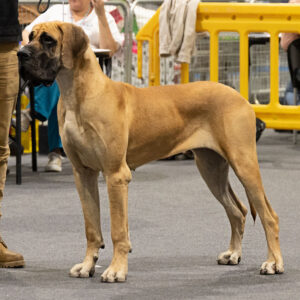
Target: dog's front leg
column 117, row 184
column 87, row 186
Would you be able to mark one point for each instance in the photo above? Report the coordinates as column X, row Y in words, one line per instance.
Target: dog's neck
column 73, row 86
column 66, row 86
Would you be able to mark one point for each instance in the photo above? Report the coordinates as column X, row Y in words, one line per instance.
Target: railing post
column 214, row 55
column 244, row 64
column 128, row 36
column 274, row 69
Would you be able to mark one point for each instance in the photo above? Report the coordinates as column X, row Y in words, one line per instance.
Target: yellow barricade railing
column 243, row 18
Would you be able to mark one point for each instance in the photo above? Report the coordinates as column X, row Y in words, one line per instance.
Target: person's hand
column 99, row 7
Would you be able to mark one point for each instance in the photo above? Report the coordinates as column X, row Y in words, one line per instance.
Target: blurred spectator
column 9, row 85
column 102, row 31
column 286, row 39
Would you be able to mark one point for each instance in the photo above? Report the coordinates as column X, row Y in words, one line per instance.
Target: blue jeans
column 45, row 105
column 289, row 95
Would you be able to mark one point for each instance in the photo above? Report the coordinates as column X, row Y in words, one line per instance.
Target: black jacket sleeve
column 10, row 30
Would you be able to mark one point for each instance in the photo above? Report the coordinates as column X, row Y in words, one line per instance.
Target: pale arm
column 288, row 37
column 106, row 39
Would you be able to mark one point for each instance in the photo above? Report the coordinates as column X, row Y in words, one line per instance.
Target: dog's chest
column 79, row 142
column 74, row 135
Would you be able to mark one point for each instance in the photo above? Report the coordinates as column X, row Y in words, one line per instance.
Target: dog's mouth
column 34, row 79
column 47, row 82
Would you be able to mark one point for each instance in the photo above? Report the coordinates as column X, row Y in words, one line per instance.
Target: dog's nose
column 24, row 53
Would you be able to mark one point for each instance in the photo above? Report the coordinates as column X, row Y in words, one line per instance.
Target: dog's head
column 52, row 46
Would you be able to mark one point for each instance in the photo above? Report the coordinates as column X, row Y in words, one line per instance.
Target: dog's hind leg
column 117, row 185
column 87, row 186
column 244, row 162
column 214, row 170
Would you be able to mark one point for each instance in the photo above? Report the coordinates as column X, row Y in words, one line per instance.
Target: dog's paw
column 82, row 271
column 271, row 268
column 229, row 258
column 112, row 274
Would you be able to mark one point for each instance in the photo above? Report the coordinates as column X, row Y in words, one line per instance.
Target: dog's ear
column 74, row 43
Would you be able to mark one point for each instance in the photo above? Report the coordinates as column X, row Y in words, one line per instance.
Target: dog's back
column 178, row 118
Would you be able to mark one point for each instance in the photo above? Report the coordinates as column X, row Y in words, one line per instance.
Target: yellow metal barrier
column 244, row 18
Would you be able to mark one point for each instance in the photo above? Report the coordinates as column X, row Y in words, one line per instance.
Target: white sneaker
column 25, row 120
column 54, row 163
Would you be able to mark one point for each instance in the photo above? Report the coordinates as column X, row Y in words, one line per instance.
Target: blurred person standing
column 102, row 31
column 285, row 41
column 10, row 35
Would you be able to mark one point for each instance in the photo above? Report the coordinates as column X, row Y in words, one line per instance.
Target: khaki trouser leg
column 9, row 86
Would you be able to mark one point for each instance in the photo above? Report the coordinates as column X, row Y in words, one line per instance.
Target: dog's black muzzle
column 37, row 68
column 24, row 54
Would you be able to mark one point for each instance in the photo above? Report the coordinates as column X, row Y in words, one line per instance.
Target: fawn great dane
column 114, row 127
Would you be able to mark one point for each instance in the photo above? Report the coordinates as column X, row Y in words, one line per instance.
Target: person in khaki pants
column 9, row 85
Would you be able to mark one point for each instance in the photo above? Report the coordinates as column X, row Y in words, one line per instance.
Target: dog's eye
column 31, row 36
column 47, row 40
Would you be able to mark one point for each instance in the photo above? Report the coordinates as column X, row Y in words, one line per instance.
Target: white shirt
column 89, row 23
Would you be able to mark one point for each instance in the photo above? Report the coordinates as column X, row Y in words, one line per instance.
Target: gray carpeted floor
column 177, row 230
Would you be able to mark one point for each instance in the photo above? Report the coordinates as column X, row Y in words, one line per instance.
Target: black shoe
column 14, row 148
